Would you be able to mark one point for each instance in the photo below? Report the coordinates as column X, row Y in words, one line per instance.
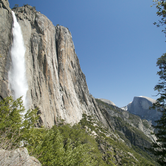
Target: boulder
column 17, row 157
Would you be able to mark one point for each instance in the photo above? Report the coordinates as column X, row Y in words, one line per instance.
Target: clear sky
column 115, row 41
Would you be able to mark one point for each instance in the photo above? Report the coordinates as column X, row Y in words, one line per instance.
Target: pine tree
column 10, row 122
column 15, row 127
column 159, row 147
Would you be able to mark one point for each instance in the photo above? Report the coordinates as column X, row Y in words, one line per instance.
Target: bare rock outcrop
column 57, row 86
column 142, row 106
column 6, row 22
column 5, row 4
column 107, row 101
column 17, row 157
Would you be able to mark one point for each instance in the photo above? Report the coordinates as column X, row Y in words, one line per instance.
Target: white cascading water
column 17, row 72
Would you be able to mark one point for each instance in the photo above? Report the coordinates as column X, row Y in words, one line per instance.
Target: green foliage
column 61, row 145
column 87, row 143
column 14, row 125
column 10, row 113
column 159, row 147
column 161, row 12
column 66, row 145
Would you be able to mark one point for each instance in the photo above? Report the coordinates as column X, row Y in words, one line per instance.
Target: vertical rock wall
column 6, row 21
column 56, row 83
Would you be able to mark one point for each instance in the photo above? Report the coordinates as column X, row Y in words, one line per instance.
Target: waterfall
column 17, row 73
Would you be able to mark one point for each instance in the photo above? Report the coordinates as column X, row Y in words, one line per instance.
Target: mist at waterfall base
column 17, row 73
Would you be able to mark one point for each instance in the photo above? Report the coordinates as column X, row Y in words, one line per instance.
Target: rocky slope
column 123, row 143
column 141, row 106
column 55, row 80
column 131, row 128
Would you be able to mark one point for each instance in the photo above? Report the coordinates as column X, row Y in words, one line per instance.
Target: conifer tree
column 159, row 147
column 15, row 127
column 10, row 122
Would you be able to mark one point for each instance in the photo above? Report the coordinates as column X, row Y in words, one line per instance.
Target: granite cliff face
column 6, row 21
column 141, row 106
column 55, row 80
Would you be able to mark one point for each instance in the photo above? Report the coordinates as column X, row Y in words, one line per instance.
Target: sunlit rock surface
column 17, row 157
column 134, row 129
column 141, row 106
column 107, row 101
column 56, row 84
column 6, row 21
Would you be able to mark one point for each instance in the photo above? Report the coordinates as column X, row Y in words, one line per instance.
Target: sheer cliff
column 56, row 84
column 5, row 44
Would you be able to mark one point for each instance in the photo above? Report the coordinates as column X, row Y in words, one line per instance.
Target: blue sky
column 115, row 41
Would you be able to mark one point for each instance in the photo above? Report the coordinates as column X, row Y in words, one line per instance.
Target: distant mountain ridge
column 141, row 106
column 107, row 101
